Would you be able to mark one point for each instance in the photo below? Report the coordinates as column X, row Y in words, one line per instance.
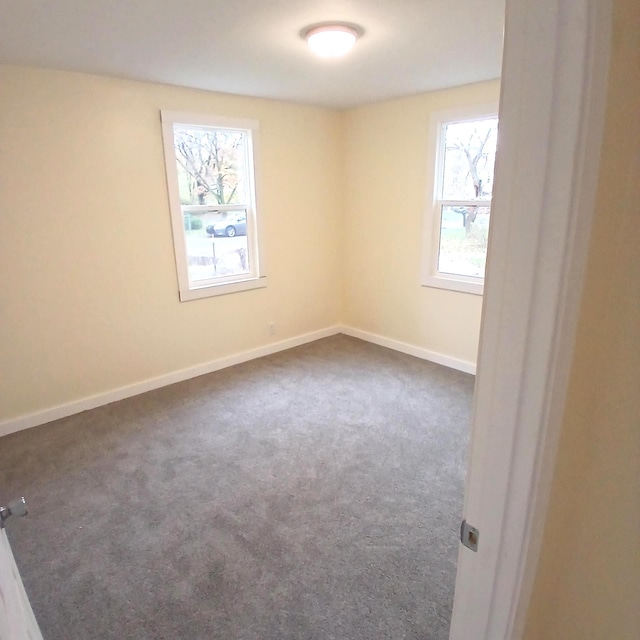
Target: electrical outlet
column 271, row 326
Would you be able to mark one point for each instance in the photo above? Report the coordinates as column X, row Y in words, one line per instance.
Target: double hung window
column 464, row 149
column 212, row 195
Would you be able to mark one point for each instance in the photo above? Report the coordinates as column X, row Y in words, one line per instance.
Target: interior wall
column 88, row 293
column 386, row 189
column 588, row 581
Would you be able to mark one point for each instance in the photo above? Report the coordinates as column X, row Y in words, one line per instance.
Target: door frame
column 553, row 94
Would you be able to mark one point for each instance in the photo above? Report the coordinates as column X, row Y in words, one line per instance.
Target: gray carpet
column 312, row 494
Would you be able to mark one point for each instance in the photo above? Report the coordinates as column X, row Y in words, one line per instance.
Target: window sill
column 221, row 289
column 452, row 283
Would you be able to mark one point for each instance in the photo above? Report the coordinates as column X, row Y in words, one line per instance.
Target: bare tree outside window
column 468, row 158
column 210, row 165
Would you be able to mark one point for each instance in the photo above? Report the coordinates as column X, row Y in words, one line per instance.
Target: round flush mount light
column 331, row 40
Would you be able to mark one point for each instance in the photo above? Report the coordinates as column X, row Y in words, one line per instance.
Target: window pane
column 469, row 157
column 463, row 240
column 216, row 244
column 211, row 165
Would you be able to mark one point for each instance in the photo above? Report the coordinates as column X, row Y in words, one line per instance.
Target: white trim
column 410, row 349
column 463, row 284
column 17, row 621
column 444, row 202
column 212, row 208
column 206, row 120
column 551, row 123
column 222, row 288
column 100, row 399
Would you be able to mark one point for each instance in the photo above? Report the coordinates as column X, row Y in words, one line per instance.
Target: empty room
column 243, row 284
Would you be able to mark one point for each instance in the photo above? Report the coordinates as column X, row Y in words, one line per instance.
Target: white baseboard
column 100, row 399
column 412, row 350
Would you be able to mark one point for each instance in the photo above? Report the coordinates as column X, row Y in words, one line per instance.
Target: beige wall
column 386, row 182
column 88, row 288
column 88, row 292
column 588, row 583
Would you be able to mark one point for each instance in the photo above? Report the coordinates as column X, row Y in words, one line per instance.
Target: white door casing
column 551, row 121
column 17, row 621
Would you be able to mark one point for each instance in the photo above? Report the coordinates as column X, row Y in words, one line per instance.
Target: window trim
column 256, row 278
column 430, row 276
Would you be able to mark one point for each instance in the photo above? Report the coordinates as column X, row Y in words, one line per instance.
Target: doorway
column 551, row 122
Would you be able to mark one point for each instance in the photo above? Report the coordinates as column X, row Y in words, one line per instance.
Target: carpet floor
column 314, row 494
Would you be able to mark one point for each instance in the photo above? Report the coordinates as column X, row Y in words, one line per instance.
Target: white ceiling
column 253, row 47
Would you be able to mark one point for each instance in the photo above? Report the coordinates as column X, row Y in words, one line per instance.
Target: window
column 212, row 197
column 457, row 224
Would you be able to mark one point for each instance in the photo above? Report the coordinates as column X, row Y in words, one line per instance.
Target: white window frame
column 430, row 275
column 256, row 277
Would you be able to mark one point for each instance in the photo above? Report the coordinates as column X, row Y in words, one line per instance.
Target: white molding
column 462, row 284
column 222, row 288
column 100, row 399
column 196, row 120
column 17, row 621
column 410, row 349
column 91, row 402
column 551, row 124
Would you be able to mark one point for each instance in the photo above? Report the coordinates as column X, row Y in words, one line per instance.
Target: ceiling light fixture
column 331, row 40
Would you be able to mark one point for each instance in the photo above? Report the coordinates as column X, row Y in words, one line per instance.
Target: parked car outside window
column 233, row 225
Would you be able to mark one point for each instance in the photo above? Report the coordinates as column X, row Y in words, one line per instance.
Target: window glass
column 211, row 165
column 216, row 244
column 464, row 232
column 469, row 158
